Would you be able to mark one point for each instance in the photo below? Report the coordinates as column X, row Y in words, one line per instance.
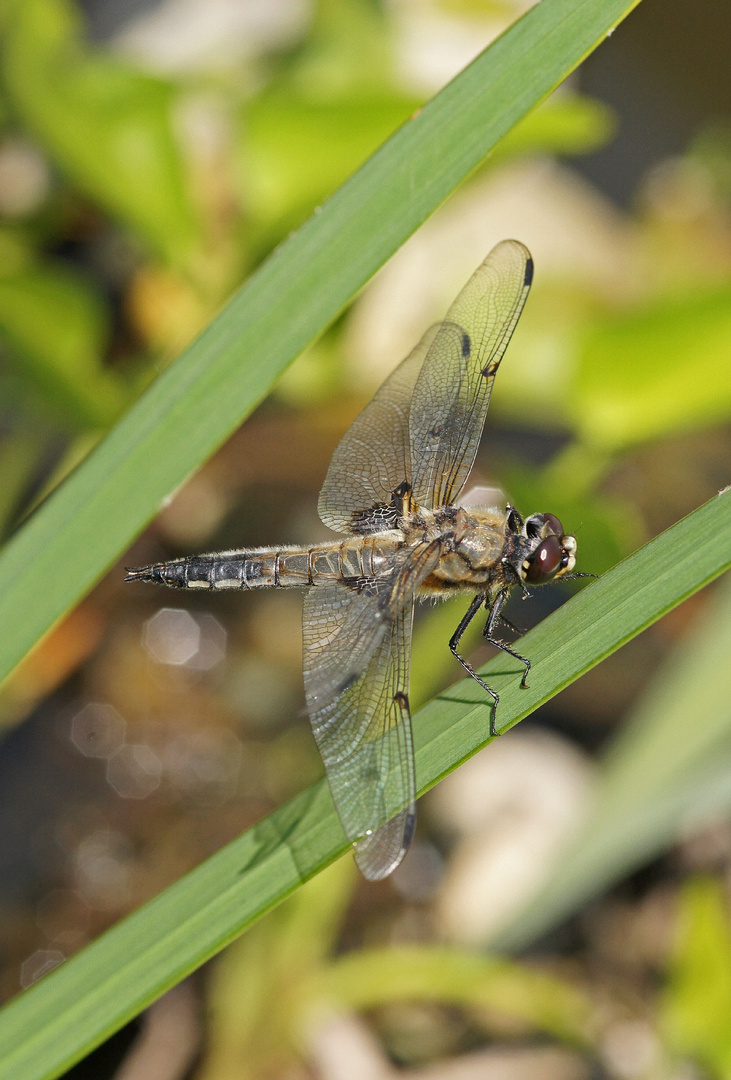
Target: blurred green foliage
column 272, row 989
column 696, row 1002
column 108, row 127
column 666, row 768
column 58, row 329
column 657, row 370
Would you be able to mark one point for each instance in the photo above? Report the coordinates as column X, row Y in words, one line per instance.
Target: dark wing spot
column 401, row 500
column 347, row 683
column 409, row 830
column 376, row 518
column 401, row 700
column 466, row 344
column 364, row 586
column 527, row 280
column 490, row 369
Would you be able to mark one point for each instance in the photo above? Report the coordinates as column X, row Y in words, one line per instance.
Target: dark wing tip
column 528, row 278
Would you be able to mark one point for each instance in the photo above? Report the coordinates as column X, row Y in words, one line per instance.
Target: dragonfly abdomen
column 271, row 567
column 267, row 568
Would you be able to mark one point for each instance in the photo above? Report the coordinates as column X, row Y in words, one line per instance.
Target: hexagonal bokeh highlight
column 212, row 647
column 134, row 771
column 97, row 730
column 172, row 636
column 39, row 963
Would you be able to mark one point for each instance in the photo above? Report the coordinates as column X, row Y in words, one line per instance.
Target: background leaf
column 109, row 127
column 697, row 1000
column 61, row 353
column 656, row 370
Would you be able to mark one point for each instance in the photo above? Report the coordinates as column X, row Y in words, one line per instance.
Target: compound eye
column 545, row 562
column 553, row 524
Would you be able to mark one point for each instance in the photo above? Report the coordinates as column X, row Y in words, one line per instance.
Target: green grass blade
column 71, row 1010
column 191, row 408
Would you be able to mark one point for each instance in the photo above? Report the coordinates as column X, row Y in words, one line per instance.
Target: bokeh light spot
column 97, row 730
column 102, row 865
column 172, row 636
column 39, row 963
column 134, row 771
column 212, row 647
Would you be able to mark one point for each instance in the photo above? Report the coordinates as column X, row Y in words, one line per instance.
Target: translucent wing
column 423, row 426
column 357, row 643
column 373, row 457
column 452, row 391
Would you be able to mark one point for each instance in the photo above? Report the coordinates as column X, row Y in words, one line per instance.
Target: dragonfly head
column 548, row 552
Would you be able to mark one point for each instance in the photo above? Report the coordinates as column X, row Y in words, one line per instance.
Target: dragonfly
column 393, row 492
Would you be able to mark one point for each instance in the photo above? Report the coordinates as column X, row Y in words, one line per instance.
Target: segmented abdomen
column 271, row 567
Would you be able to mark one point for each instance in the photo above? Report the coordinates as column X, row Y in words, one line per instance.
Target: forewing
column 357, row 644
column 373, row 459
column 452, row 391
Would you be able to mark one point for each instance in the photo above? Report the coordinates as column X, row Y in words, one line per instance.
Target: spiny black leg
column 489, row 635
column 454, row 642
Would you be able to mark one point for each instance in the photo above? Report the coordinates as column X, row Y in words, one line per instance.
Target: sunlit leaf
column 294, row 153
column 659, row 370
column 565, row 124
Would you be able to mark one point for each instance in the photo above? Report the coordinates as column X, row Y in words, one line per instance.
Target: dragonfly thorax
column 472, row 547
column 479, row 538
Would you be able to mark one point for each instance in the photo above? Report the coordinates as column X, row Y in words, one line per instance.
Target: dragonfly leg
column 489, row 634
column 454, row 642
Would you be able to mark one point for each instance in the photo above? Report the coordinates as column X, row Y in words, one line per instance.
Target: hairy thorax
column 473, row 544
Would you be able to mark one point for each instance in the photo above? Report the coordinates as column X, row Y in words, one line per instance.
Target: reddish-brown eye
column 545, row 562
column 554, row 524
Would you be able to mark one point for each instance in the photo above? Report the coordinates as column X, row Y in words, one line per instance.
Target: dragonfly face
column 534, row 552
column 392, row 490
